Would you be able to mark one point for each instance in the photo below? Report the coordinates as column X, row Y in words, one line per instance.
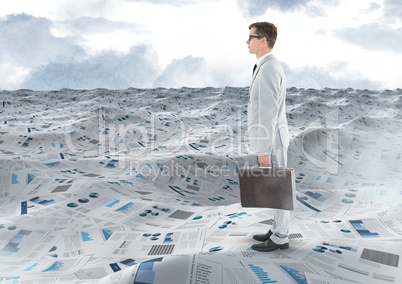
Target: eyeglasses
column 253, row 36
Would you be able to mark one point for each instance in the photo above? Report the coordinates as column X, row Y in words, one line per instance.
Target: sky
column 117, row 44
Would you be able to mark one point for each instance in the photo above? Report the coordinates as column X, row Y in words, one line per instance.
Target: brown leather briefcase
column 267, row 187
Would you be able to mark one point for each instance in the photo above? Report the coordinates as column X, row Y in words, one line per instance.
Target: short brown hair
column 267, row 30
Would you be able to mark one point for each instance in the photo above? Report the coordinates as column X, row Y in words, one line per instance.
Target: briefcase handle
column 266, row 167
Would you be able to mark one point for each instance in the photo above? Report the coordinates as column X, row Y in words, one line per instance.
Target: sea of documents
column 141, row 186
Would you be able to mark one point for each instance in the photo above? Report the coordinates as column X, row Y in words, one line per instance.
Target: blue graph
column 316, row 196
column 145, row 273
column 307, row 204
column 24, row 207
column 30, row 178
column 107, row 233
column 111, row 164
column 238, row 215
column 31, row 268
column 168, row 238
column 26, row 143
column 166, row 210
column 14, row 179
column 296, row 275
column 38, row 200
column 57, row 266
column 129, row 262
column 359, row 227
column 124, row 209
column 261, row 274
column 115, row 267
column 52, row 165
column 113, row 203
column 13, row 246
column 86, row 237
column 341, row 247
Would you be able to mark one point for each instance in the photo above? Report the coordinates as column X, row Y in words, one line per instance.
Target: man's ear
column 264, row 41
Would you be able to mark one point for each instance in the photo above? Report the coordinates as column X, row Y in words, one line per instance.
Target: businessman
column 268, row 133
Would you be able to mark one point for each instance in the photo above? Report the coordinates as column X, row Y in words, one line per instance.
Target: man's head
column 262, row 38
column 267, row 30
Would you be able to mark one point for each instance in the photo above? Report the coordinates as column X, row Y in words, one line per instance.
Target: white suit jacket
column 266, row 115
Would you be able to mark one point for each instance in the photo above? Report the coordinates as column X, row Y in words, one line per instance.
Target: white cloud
column 188, row 72
column 57, row 10
column 327, row 77
column 374, row 36
column 97, row 25
column 107, row 70
column 393, row 10
column 177, row 3
column 254, row 8
column 33, row 57
column 27, row 41
column 69, row 44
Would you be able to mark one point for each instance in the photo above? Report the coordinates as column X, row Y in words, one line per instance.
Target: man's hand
column 264, row 160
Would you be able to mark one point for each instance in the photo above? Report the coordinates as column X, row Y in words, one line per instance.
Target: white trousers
column 280, row 227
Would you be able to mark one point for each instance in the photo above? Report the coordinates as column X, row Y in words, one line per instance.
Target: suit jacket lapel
column 259, row 66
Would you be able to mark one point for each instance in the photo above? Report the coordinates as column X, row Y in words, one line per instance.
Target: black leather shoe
column 263, row 237
column 269, row 245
